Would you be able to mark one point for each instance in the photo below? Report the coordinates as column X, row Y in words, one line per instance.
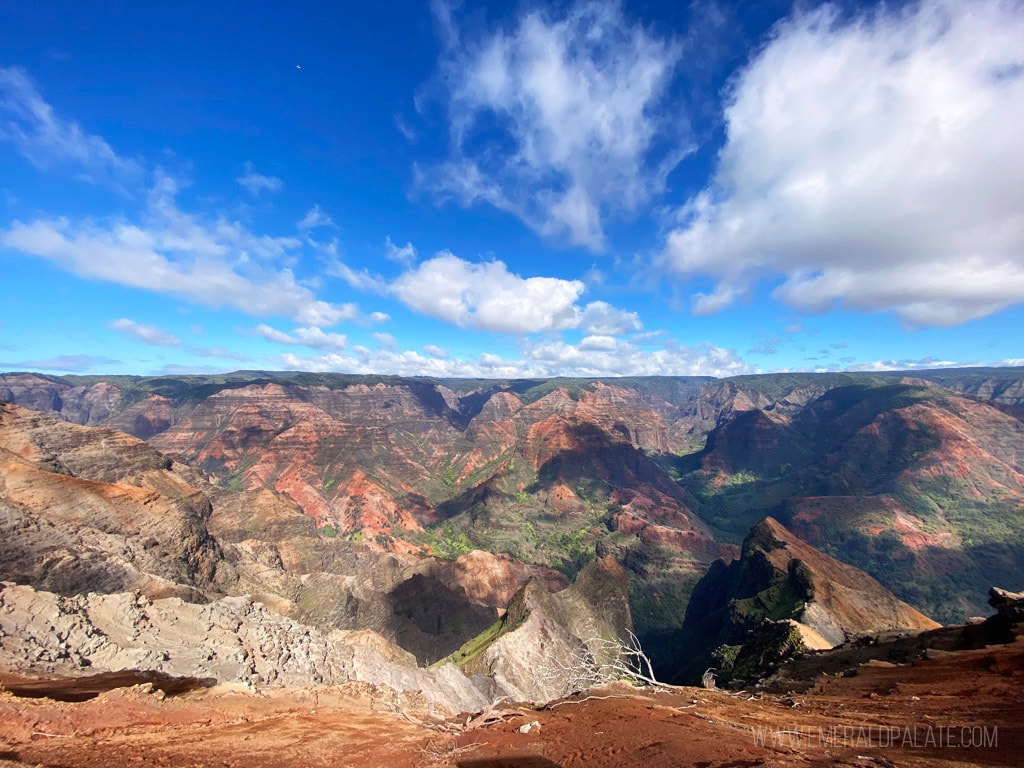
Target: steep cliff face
column 548, row 645
column 780, row 597
column 92, row 404
column 84, row 509
column 918, row 486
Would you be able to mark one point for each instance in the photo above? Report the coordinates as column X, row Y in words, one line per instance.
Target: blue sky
column 510, row 189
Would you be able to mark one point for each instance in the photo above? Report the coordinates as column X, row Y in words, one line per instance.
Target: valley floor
column 958, row 709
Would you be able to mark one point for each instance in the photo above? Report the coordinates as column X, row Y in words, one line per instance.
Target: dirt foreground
column 956, row 709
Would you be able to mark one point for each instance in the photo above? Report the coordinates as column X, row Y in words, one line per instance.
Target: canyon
column 440, row 542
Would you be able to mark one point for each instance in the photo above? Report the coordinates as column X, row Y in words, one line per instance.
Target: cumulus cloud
column 606, row 356
column 257, row 182
column 594, row 356
column 147, row 334
column 873, row 162
column 600, row 317
column 488, row 296
column 405, row 363
column 312, row 337
column 906, row 364
column 46, row 140
column 556, row 120
column 215, row 262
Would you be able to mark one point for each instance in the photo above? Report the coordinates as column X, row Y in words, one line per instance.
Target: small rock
column 527, row 727
column 879, row 663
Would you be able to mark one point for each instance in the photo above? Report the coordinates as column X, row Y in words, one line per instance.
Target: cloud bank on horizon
column 580, row 192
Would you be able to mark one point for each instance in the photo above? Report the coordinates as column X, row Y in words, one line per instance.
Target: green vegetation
column 658, row 603
column 328, row 530
column 235, row 481
column 761, row 652
column 444, row 542
column 472, row 649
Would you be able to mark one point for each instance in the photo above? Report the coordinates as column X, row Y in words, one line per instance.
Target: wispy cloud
column 257, row 182
column 214, row 262
column 221, row 353
column 65, row 363
column 311, row 337
column 157, row 337
column 315, row 217
column 404, row 255
column 147, row 334
column 576, row 97
column 435, row 351
column 875, row 162
column 47, row 141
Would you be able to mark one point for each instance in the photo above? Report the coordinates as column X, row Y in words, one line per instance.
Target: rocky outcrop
column 92, row 404
column 231, row 640
column 488, row 578
column 782, row 597
column 914, row 484
column 87, row 509
column 1009, row 605
column 548, row 645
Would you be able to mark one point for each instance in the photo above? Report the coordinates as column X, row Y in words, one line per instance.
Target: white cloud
column 408, row 132
column 602, row 318
column 487, row 296
column 435, row 351
column 404, row 363
column 404, row 255
column 215, row 262
column 257, row 182
column 147, row 334
column 311, row 337
column 597, row 357
column 575, row 97
column 606, row 356
column 46, row 140
column 315, row 217
column 602, row 343
column 386, row 340
column 905, row 364
column 272, row 334
column 360, row 279
column 874, row 163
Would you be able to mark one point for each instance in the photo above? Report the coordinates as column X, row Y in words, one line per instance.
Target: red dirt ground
column 947, row 700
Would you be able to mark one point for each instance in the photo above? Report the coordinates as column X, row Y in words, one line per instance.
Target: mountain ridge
column 664, row 473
